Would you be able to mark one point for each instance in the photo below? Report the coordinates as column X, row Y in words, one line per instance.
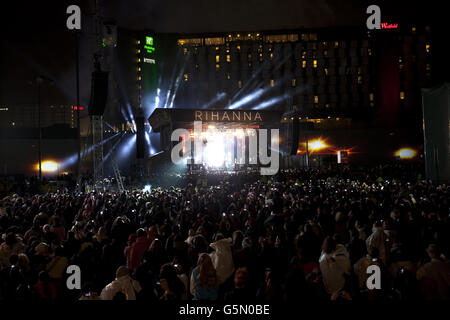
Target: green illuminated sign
column 149, row 44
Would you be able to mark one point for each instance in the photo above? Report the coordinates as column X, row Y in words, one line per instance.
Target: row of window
column 279, row 38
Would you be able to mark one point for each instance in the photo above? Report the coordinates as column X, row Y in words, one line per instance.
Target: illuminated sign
column 149, row 44
column 385, row 25
column 227, row 115
column 147, row 60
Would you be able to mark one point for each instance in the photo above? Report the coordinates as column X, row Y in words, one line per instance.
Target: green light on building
column 149, row 44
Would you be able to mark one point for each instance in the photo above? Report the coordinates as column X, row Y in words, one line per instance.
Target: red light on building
column 76, row 108
column 385, row 25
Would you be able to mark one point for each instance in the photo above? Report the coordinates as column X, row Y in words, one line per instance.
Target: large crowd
column 300, row 235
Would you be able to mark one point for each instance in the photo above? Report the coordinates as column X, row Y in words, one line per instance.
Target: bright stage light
column 147, row 188
column 317, row 144
column 239, row 133
column 48, row 166
column 215, row 150
column 406, row 153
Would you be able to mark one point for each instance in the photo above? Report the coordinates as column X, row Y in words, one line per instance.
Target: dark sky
column 34, row 38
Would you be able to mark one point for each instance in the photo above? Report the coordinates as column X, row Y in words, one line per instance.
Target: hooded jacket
column 125, row 284
column 333, row 267
column 222, row 259
column 378, row 240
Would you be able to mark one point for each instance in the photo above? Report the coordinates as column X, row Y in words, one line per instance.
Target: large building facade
column 341, row 79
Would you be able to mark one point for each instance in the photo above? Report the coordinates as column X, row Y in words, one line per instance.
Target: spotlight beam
column 216, row 99
column 270, row 102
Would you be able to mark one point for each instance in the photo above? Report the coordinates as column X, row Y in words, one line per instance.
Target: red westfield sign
column 385, row 25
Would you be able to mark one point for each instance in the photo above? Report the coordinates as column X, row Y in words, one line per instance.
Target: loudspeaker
column 140, row 137
column 295, row 129
column 99, row 93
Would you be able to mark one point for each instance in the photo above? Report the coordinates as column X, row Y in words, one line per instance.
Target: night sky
column 35, row 40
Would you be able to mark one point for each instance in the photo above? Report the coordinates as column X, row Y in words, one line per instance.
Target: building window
column 272, row 82
column 427, row 48
column 238, row 48
column 326, row 71
column 228, row 76
column 369, row 51
column 294, row 82
column 359, row 79
column 271, row 55
column 217, row 67
column 428, row 67
column 325, row 53
column 371, row 96
column 139, row 78
column 402, row 95
column 316, row 99
column 304, row 64
column 413, row 30
column 196, row 41
column 315, row 63
column 217, row 48
column 228, row 58
column 217, row 59
column 336, row 44
column 214, row 41
column 327, row 105
column 239, row 84
column 249, row 57
column 260, row 57
column 186, row 77
column 138, row 50
column 184, row 51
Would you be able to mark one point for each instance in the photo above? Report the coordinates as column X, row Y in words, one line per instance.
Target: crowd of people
column 303, row 234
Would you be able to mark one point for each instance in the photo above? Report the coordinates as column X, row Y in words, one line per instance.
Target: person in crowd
column 137, row 249
column 434, row 276
column 123, row 283
column 12, row 245
column 222, row 259
column 334, row 265
column 171, row 284
column 45, row 288
column 204, row 283
column 241, row 291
